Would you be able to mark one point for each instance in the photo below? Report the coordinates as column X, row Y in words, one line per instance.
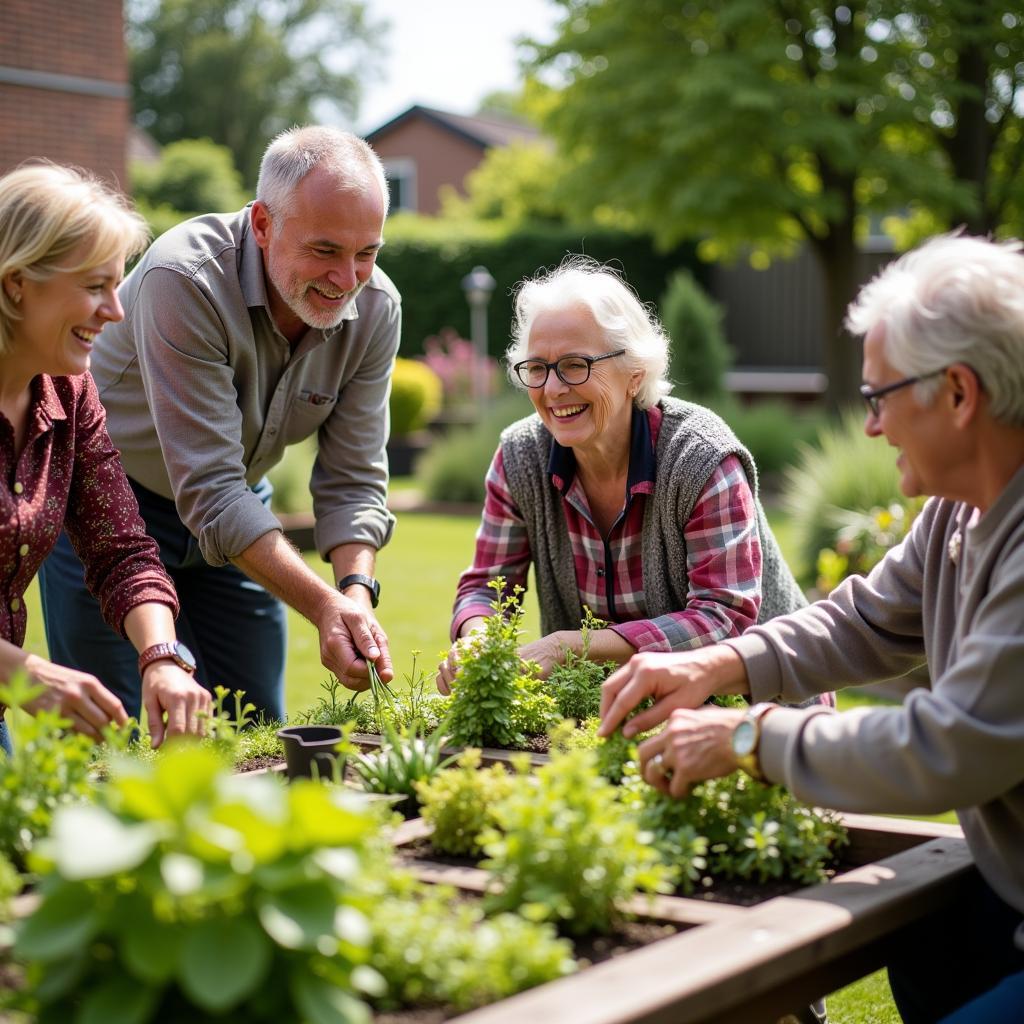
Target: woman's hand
column 449, row 668
column 169, row 690
column 549, row 650
column 78, row 696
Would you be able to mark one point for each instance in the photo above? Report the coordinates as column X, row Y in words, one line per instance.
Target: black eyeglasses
column 571, row 370
column 873, row 396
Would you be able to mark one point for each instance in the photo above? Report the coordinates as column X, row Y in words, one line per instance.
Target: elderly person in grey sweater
column 944, row 384
column 639, row 506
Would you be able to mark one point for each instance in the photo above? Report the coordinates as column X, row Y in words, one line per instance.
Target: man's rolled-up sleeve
column 189, row 382
column 350, row 475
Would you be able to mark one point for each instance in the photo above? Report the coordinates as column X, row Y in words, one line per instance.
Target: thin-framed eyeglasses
column 873, row 396
column 571, row 370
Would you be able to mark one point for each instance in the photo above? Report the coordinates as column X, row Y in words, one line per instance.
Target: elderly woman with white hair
column 64, row 238
column 642, row 507
column 943, row 331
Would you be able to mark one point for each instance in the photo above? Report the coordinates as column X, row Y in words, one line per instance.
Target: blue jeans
column 236, row 630
column 955, row 956
column 1003, row 1004
column 5, row 739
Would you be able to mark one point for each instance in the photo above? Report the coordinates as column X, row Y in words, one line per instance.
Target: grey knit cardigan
column 692, row 442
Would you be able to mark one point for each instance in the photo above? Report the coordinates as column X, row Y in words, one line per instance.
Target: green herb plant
column 576, row 683
column 566, row 850
column 50, row 767
column 435, row 950
column 458, row 802
column 736, row 828
column 497, row 699
column 190, row 894
column 407, row 755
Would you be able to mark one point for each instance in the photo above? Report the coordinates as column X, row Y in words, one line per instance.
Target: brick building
column 64, row 91
column 423, row 149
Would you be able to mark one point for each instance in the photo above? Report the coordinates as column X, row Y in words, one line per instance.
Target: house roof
column 484, row 131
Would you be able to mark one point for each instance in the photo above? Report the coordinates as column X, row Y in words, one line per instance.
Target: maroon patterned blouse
column 69, row 475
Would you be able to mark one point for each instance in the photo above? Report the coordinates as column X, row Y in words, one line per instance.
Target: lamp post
column 478, row 286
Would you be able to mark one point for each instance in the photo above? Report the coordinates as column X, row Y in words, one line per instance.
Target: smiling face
column 594, row 415
column 918, row 431
column 62, row 315
column 319, row 255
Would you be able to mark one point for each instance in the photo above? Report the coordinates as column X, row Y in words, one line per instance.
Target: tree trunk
column 838, row 256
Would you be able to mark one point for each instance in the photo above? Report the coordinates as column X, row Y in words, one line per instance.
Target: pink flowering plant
column 465, row 374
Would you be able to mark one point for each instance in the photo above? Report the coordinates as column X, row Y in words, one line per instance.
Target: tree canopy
column 239, row 71
column 767, row 123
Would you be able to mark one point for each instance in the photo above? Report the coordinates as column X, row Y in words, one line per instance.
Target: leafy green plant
column 847, row 472
column 190, row 894
column 435, row 950
column 773, row 431
column 566, row 850
column 11, row 883
column 455, row 467
column 404, row 759
column 50, row 767
column 576, row 683
column 491, row 677
column 700, row 354
column 459, row 803
column 863, row 540
column 416, row 394
column 736, row 828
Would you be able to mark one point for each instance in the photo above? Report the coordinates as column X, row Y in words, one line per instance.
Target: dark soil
column 261, row 761
column 713, row 890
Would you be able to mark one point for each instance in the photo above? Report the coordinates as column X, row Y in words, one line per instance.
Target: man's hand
column 683, row 680
column 78, row 696
column 168, row 690
column 350, row 636
column 694, row 746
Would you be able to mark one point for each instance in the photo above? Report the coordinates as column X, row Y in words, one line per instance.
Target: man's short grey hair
column 296, row 152
column 955, row 299
column 627, row 323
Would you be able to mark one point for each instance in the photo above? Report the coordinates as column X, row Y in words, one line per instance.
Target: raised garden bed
column 744, row 963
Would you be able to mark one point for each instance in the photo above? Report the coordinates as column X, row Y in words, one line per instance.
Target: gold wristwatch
column 746, row 740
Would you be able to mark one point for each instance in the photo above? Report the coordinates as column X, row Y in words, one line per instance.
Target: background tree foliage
column 239, row 71
column 767, row 123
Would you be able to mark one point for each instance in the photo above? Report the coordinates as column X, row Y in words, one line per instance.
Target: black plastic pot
column 309, row 745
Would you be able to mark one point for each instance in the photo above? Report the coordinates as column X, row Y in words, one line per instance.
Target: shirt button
column 23, row 550
column 19, row 487
column 600, row 574
column 15, row 604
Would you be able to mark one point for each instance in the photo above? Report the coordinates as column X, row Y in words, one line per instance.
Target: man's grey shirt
column 203, row 393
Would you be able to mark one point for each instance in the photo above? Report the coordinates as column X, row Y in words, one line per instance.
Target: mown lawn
column 418, row 571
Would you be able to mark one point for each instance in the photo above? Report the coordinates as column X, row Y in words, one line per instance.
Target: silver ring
column 656, row 762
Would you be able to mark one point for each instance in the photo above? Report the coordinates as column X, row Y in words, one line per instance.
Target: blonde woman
column 64, row 239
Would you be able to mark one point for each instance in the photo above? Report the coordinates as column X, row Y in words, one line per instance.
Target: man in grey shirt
column 244, row 333
column 944, row 372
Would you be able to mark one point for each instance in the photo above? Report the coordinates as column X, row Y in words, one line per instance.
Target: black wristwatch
column 364, row 581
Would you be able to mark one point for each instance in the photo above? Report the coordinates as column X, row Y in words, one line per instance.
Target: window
column 401, row 175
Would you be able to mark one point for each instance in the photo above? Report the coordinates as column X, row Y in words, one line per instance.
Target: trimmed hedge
column 428, row 263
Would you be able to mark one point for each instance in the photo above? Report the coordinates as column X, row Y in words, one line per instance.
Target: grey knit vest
column 692, row 442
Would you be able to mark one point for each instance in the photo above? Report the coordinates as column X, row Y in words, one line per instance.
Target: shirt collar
column 253, row 280
column 643, row 432
column 47, row 405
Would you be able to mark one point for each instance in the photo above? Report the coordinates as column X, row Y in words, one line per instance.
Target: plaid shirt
column 723, row 551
